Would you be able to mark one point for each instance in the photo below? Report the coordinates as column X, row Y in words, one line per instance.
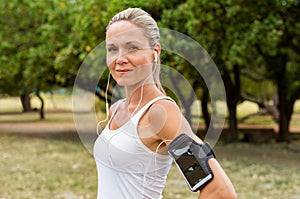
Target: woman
column 130, row 153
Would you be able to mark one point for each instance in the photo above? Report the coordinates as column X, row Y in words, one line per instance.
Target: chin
column 129, row 83
column 121, row 82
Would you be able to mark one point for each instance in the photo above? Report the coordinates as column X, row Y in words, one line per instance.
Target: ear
column 157, row 49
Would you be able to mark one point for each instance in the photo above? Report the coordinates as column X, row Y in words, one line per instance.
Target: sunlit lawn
column 61, row 167
column 45, row 168
column 33, row 167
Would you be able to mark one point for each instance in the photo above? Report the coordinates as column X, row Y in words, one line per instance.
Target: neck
column 135, row 95
column 138, row 97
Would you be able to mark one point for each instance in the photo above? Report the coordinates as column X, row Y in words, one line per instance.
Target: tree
column 286, row 74
column 275, row 35
column 208, row 22
column 32, row 34
column 244, row 36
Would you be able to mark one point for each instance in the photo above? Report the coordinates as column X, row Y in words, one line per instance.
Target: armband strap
column 208, row 150
column 203, row 152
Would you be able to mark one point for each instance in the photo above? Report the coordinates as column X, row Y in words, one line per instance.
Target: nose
column 122, row 58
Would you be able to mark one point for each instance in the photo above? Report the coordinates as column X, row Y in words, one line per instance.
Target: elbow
column 225, row 193
column 221, row 193
column 231, row 195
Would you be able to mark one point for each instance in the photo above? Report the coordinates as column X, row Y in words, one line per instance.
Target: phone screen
column 189, row 166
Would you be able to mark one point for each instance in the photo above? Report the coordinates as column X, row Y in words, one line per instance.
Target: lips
column 123, row 71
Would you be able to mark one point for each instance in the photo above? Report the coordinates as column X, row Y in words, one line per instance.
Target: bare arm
column 220, row 187
column 174, row 124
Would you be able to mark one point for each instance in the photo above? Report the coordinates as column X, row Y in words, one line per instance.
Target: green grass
column 36, row 167
column 61, row 168
column 52, row 102
column 258, row 180
column 45, row 168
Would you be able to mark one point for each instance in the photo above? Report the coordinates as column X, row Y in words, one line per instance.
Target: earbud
column 155, row 57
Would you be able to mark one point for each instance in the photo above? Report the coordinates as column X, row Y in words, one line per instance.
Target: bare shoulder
column 166, row 104
column 166, row 116
column 170, row 119
column 165, row 108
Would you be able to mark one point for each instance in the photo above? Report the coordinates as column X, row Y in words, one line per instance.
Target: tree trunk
column 233, row 94
column 25, row 100
column 187, row 103
column 284, row 134
column 184, row 99
column 204, row 103
column 187, row 113
column 284, row 120
column 233, row 124
column 271, row 109
column 41, row 111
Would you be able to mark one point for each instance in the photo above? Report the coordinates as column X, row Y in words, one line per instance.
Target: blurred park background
column 255, row 45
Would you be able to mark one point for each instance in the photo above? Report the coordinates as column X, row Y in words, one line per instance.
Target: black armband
column 192, row 160
column 203, row 152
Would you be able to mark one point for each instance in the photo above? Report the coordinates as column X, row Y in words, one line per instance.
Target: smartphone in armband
column 191, row 159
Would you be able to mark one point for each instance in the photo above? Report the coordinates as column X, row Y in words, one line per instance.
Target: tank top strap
column 139, row 114
column 116, row 106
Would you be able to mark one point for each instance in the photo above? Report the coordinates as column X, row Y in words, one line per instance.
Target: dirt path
column 273, row 153
column 37, row 128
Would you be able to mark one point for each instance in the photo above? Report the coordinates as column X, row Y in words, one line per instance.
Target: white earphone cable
column 155, row 163
column 142, row 87
column 106, row 106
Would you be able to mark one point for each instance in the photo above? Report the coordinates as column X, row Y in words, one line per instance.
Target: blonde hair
column 144, row 20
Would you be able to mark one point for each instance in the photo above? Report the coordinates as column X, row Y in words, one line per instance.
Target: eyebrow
column 130, row 42
column 127, row 43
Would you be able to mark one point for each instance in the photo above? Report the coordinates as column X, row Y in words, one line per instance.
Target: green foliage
column 261, row 38
column 231, row 31
column 43, row 43
column 33, row 32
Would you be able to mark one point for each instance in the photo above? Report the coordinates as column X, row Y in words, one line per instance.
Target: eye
column 133, row 48
column 112, row 49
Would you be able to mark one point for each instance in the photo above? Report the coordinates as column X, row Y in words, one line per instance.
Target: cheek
column 141, row 61
column 110, row 65
column 109, row 60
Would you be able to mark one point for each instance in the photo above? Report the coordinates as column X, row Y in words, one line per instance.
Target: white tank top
column 126, row 168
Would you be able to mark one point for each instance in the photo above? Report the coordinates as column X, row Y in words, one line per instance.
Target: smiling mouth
column 123, row 71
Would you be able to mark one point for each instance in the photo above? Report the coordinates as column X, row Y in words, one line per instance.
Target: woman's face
column 129, row 56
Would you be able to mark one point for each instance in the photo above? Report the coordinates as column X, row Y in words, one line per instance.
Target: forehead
column 124, row 31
